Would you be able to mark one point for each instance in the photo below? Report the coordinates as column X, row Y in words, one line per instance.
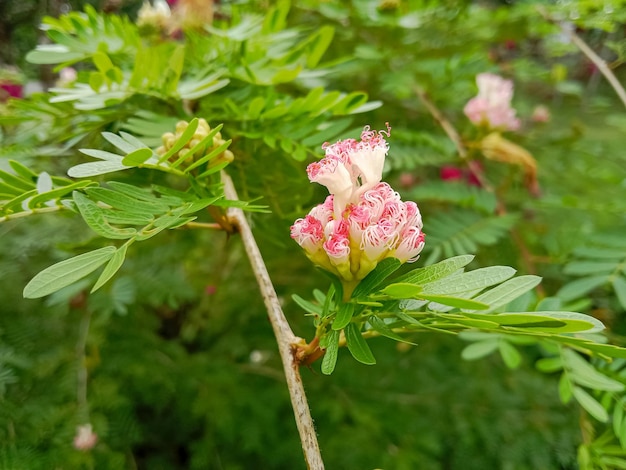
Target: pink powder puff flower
column 363, row 220
column 411, row 245
column 309, row 233
column 351, row 167
column 492, row 106
column 85, row 438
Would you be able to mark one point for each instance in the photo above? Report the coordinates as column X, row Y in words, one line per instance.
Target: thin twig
column 81, row 382
column 284, row 335
column 454, row 136
column 590, row 53
column 204, row 225
column 443, row 122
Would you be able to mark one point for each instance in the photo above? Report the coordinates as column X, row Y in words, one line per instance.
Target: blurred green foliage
column 182, row 365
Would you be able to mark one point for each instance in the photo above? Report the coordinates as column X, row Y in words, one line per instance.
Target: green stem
column 42, row 210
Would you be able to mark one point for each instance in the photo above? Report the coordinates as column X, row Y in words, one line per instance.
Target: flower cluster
column 170, row 139
column 363, row 220
column 492, row 106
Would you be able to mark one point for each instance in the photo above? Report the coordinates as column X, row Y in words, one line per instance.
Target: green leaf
column 95, row 218
column 140, row 193
column 357, row 345
column 590, row 267
column 383, row 329
column 480, row 349
column 285, row 75
column 202, row 145
column 256, row 107
column 510, row 354
column 565, row 389
column 332, row 350
column 127, row 203
column 53, row 54
column 22, row 170
column 306, row 305
column 326, row 309
column 455, row 319
column 507, row 291
column 549, row 303
column 16, row 181
column 182, row 140
column 622, row 431
column 596, row 325
column 124, row 218
column 550, row 322
column 200, row 204
column 137, row 157
column 67, row 272
column 614, row 463
column 56, row 193
column 593, row 407
column 402, row 290
column 619, row 285
column 477, row 279
column 609, row 350
column 114, row 264
column 457, row 302
column 580, row 287
column 84, row 170
column 583, row 373
column 123, row 144
column 408, row 319
column 549, row 364
column 344, row 316
column 436, row 271
column 599, row 253
column 102, row 61
column 618, row 417
column 210, row 156
column 102, row 155
column 382, row 271
column 18, row 200
column 322, row 41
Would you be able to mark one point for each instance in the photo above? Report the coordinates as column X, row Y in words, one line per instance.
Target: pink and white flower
column 85, row 438
column 492, row 106
column 363, row 220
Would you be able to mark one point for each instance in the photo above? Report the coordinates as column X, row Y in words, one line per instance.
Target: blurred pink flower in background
column 363, row 220
column 67, row 76
column 85, row 438
column 492, row 106
column 541, row 113
column 454, row 173
column 12, row 90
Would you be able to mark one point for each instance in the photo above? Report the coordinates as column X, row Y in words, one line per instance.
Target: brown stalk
column 288, row 342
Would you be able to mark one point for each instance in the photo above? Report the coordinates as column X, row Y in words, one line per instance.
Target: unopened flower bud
column 168, row 139
column 228, row 156
column 203, row 125
column 181, row 126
